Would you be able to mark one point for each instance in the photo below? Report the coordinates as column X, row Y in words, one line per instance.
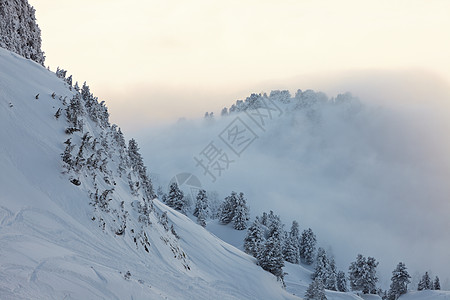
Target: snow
column 360, row 179
column 426, row 295
column 51, row 249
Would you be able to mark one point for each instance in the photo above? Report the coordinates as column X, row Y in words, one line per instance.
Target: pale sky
column 161, row 60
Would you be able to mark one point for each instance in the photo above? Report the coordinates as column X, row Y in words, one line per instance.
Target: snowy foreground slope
column 53, row 244
column 50, row 245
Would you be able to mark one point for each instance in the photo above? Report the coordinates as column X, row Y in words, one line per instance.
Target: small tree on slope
column 271, row 256
column 425, row 283
column 399, row 282
column 201, row 202
column 331, row 276
column 341, row 282
column 291, row 251
column 316, row 291
column 307, row 246
column 175, row 197
column 320, row 271
column 241, row 213
column 254, row 238
column 227, row 208
column 437, row 284
column 362, row 274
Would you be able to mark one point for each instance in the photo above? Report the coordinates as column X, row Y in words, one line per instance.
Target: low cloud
column 373, row 182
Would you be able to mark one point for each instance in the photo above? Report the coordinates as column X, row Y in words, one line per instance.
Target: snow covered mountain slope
column 78, row 232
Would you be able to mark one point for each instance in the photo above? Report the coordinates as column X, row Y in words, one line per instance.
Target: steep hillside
column 77, row 218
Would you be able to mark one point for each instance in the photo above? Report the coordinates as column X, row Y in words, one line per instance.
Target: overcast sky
column 160, row 60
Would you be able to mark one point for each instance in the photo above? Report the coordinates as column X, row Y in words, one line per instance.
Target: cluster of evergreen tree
column 271, row 245
column 89, row 152
column 363, row 275
column 426, row 283
column 325, row 271
column 201, row 210
column 19, row 31
column 399, row 282
column 234, row 209
column 316, row 291
column 206, row 204
column 307, row 100
column 270, row 252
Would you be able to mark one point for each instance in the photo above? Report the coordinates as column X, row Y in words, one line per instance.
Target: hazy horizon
column 169, row 60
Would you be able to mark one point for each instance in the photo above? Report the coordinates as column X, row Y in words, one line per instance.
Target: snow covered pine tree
column 316, row 291
column 19, row 31
column 271, row 256
column 201, row 208
column 241, row 213
column 291, row 251
column 175, row 197
column 254, row 238
column 307, row 246
column 399, row 282
column 425, row 283
column 362, row 274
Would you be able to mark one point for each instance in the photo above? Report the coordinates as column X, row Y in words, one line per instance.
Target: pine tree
column 264, row 219
column 399, row 282
column 58, row 113
column 291, row 250
column 254, row 238
column 271, row 257
column 372, row 278
column 341, row 282
column 164, row 221
column 175, row 197
column 316, row 291
column 228, row 208
column 137, row 163
column 201, row 218
column 201, row 202
column 19, row 31
column 356, row 272
column 69, row 81
column 362, row 274
column 321, row 268
column 241, row 213
column 201, row 208
column 425, row 283
column 67, row 157
column 74, row 112
column 307, row 246
column 436, row 284
column 331, row 275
